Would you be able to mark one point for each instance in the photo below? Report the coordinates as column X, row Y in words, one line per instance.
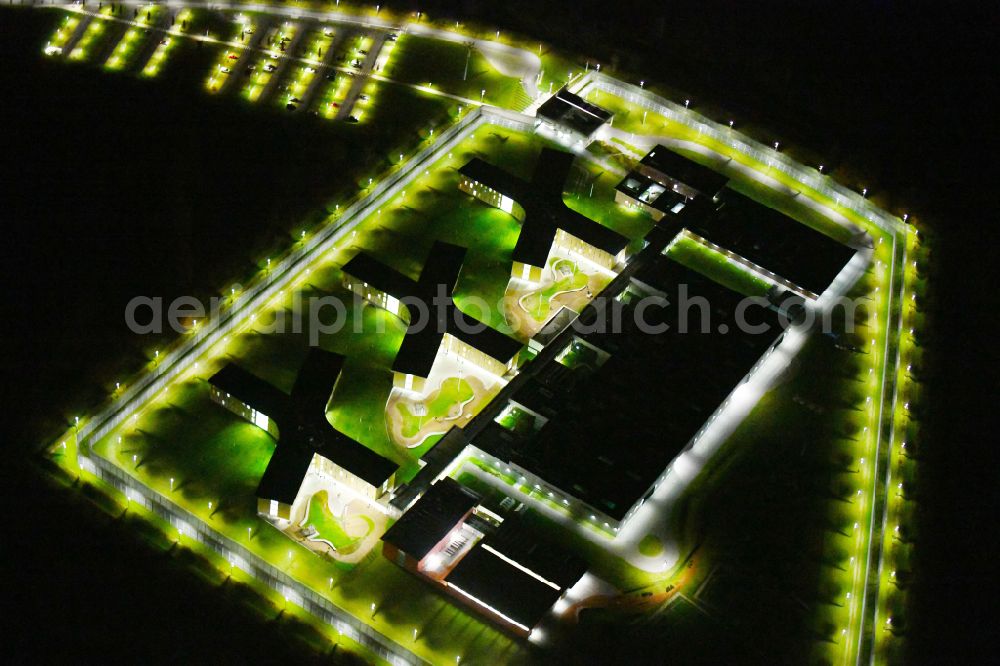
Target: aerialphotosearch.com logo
column 319, row 316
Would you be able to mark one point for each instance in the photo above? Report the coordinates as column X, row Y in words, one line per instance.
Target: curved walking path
column 436, row 425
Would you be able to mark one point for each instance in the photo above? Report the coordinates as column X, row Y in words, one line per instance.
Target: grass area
column 453, row 391
column 64, row 30
column 327, row 526
column 569, row 278
column 590, row 191
column 628, row 118
column 211, row 455
column 222, row 458
column 453, row 68
column 718, row 267
column 161, row 55
column 518, row 420
column 578, row 355
column 557, row 68
column 650, row 545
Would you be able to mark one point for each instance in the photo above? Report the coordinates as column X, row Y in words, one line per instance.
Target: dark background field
column 112, row 187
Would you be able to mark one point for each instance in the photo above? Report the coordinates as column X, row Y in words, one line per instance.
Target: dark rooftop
column 664, row 165
column 775, row 242
column 423, row 339
column 302, row 424
column 431, row 518
column 571, row 110
column 251, row 390
column 526, row 547
column 443, row 267
column 283, row 477
column 649, row 191
column 503, row 587
column 478, row 335
column 434, row 462
column 545, row 212
column 606, row 442
column 368, row 269
column 351, row 455
column 314, row 384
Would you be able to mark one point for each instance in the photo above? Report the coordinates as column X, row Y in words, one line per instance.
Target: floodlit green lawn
column 64, row 30
column 650, row 545
column 327, row 527
column 518, row 420
column 718, row 267
column 442, row 65
column 557, row 68
column 127, row 49
column 401, row 107
column 628, row 117
column 579, row 355
column 358, row 410
column 91, row 40
column 453, row 391
column 215, row 457
column 210, row 453
column 590, row 191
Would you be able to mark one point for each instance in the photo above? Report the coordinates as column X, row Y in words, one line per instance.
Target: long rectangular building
column 307, row 443
column 774, row 242
column 496, row 565
column 598, row 444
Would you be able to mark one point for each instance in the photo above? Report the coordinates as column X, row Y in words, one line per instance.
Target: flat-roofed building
column 547, row 224
column 435, row 323
column 307, row 443
column 787, row 252
column 496, row 565
column 580, row 452
column 664, row 180
column 249, row 397
column 568, row 113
